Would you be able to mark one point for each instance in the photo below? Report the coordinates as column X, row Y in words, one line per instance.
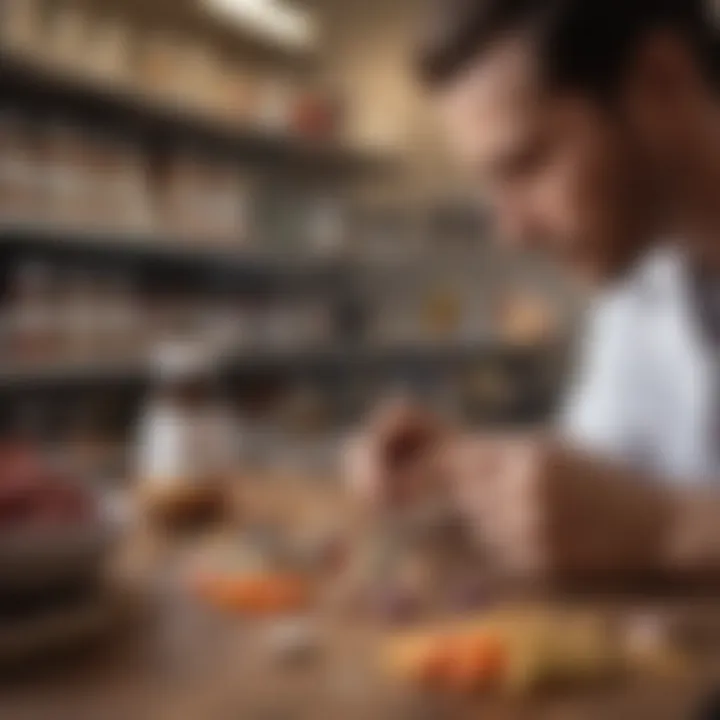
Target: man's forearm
column 694, row 542
column 608, row 518
column 657, row 526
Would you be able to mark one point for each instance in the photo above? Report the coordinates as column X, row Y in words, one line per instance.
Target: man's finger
column 475, row 460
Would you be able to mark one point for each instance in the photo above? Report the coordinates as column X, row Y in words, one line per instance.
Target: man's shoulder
column 654, row 283
column 617, row 350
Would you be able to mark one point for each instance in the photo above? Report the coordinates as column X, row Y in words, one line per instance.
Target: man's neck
column 697, row 201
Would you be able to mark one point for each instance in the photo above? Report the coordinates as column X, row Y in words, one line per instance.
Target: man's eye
column 528, row 161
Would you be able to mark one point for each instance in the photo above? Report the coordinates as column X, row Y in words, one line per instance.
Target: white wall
column 368, row 47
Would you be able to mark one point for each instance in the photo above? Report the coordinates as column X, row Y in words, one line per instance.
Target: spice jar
column 82, row 320
column 275, row 104
column 32, row 322
column 64, row 160
column 157, row 67
column 126, row 195
column 108, row 53
column 21, row 28
column 67, row 39
column 181, row 198
column 17, row 169
column 220, row 206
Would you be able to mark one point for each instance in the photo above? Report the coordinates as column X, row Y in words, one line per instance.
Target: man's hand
column 539, row 508
column 393, row 461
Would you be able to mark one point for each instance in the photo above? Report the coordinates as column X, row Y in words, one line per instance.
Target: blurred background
column 256, row 183
column 228, row 231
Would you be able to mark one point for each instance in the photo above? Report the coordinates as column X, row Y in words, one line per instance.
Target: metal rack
column 159, row 128
column 207, row 269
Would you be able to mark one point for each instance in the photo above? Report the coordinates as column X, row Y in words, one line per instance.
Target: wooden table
column 172, row 659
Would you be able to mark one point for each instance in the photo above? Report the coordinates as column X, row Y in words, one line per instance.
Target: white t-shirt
column 647, row 391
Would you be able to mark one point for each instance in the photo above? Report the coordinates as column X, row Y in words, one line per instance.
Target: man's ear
column 660, row 94
column 663, row 69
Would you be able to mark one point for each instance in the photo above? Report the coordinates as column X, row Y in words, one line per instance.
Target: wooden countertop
column 173, row 659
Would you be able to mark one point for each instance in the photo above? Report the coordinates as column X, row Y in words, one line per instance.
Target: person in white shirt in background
column 592, row 127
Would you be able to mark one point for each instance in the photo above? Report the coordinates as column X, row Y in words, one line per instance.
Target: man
column 592, row 127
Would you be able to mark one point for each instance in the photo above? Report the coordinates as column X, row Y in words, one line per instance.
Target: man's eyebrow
column 514, row 159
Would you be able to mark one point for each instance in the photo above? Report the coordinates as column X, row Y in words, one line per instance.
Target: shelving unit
column 20, row 379
column 189, row 16
column 206, row 270
column 336, row 370
column 161, row 126
column 210, row 269
column 301, row 362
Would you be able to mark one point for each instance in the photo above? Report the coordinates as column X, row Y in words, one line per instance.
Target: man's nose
column 519, row 228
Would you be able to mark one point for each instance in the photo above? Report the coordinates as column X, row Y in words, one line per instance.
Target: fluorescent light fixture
column 273, row 19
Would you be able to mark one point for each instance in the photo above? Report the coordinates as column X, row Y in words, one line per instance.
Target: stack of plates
column 51, row 587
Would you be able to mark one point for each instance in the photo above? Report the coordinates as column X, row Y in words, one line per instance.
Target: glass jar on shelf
column 108, row 52
column 312, row 322
column 219, row 205
column 442, row 312
column 201, row 72
column 103, row 159
column 219, row 326
column 316, row 114
column 183, row 317
column 32, row 320
column 159, row 57
column 118, row 310
column 245, row 318
column 82, row 316
column 274, row 107
column 180, row 198
column 239, row 96
column 128, row 190
column 326, row 230
column 244, row 216
column 158, row 309
column 35, row 182
column 17, row 169
column 67, row 39
column 66, row 175
column 525, row 318
column 21, row 29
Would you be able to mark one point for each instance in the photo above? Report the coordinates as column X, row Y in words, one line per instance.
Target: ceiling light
column 273, row 19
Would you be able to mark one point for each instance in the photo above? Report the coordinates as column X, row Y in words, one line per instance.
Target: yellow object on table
column 517, row 651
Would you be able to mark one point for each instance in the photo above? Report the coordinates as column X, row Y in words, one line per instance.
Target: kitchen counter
column 170, row 658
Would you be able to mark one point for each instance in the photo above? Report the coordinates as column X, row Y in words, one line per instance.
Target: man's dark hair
column 585, row 44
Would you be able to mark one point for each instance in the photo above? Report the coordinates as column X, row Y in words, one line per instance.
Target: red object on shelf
column 32, row 493
column 315, row 116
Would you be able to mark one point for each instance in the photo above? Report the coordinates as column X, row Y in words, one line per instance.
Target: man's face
column 561, row 174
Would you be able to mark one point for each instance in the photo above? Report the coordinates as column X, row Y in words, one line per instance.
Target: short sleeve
column 599, row 413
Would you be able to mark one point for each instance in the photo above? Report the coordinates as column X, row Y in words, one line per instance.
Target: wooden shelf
column 217, row 268
column 296, row 360
column 143, row 118
column 417, row 368
column 19, row 378
column 420, row 357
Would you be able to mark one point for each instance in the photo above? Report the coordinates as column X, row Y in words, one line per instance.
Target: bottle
column 186, row 438
column 33, row 319
column 16, row 202
column 21, row 28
